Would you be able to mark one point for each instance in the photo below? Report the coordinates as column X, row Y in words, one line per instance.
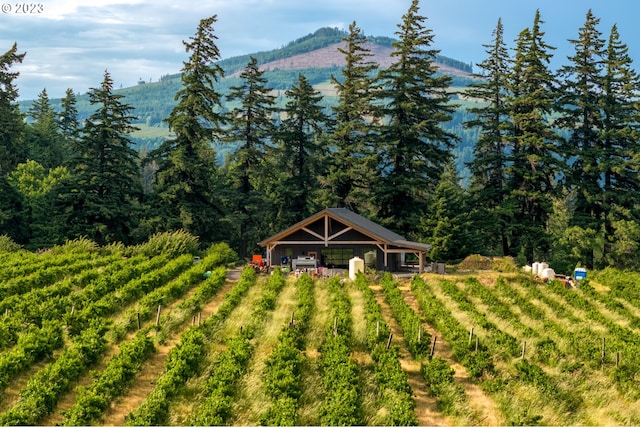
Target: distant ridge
column 330, row 56
column 320, row 50
column 315, row 55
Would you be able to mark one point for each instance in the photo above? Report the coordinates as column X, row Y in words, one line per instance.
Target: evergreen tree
column 621, row 140
column 599, row 108
column 186, row 192
column 413, row 145
column 251, row 128
column 100, row 198
column 46, row 145
column 533, row 165
column 447, row 226
column 41, row 107
column 11, row 126
column 352, row 166
column 12, row 149
column 68, row 117
column 298, row 156
column 581, row 95
column 488, row 187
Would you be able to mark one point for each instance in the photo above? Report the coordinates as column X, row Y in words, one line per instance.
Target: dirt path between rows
column 479, row 403
column 154, row 366
column 426, row 408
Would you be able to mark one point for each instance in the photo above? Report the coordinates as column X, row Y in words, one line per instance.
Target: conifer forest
column 553, row 174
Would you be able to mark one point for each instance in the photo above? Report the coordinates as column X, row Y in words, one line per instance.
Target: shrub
column 173, row 244
column 80, row 245
column 8, row 245
column 475, row 262
column 504, row 265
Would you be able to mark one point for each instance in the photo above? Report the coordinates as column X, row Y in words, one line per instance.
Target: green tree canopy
column 99, row 199
column 414, row 147
column 185, row 193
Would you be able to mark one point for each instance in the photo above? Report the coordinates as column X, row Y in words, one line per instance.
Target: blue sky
column 70, row 43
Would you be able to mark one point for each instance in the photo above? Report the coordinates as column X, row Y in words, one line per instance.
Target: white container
column 356, row 265
column 548, row 274
column 543, row 265
column 370, row 259
column 535, row 268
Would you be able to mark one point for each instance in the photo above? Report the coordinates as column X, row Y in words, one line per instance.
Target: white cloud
column 73, row 41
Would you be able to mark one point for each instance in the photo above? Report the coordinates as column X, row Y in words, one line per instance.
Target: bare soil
column 330, row 56
column 426, row 408
column 486, row 409
column 144, row 381
column 153, row 367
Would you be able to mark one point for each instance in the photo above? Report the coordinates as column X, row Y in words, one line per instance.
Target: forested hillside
column 235, row 153
column 152, row 101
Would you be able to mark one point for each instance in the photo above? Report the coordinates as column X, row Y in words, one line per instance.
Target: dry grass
column 358, row 316
column 251, row 402
column 242, row 313
column 600, row 403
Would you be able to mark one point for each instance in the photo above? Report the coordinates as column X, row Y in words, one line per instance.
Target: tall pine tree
column 251, row 128
column 100, row 199
column 68, row 116
column 488, row 187
column 298, row 156
column 413, row 145
column 43, row 138
column 580, row 100
column 186, row 192
column 12, row 150
column 621, row 142
column 533, row 164
column 351, row 173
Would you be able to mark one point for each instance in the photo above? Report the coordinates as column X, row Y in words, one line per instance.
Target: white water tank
column 535, row 268
column 548, row 274
column 543, row 266
column 370, row 259
column 356, row 265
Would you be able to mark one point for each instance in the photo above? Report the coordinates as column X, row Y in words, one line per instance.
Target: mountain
column 315, row 55
column 324, row 43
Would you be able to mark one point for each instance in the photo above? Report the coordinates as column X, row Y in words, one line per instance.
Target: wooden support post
column 377, row 329
column 477, row 343
column 524, row 348
column 73, row 310
column 389, row 340
column 158, row 316
column 604, row 352
column 433, row 346
column 199, row 318
column 138, row 316
column 419, row 333
column 335, row 326
column 470, row 335
column 617, row 358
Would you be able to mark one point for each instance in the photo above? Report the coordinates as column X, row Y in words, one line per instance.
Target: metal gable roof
column 359, row 223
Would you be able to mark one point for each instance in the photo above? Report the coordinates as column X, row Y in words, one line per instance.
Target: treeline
column 553, row 174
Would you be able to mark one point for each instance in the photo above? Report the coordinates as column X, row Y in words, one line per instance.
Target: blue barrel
column 580, row 273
